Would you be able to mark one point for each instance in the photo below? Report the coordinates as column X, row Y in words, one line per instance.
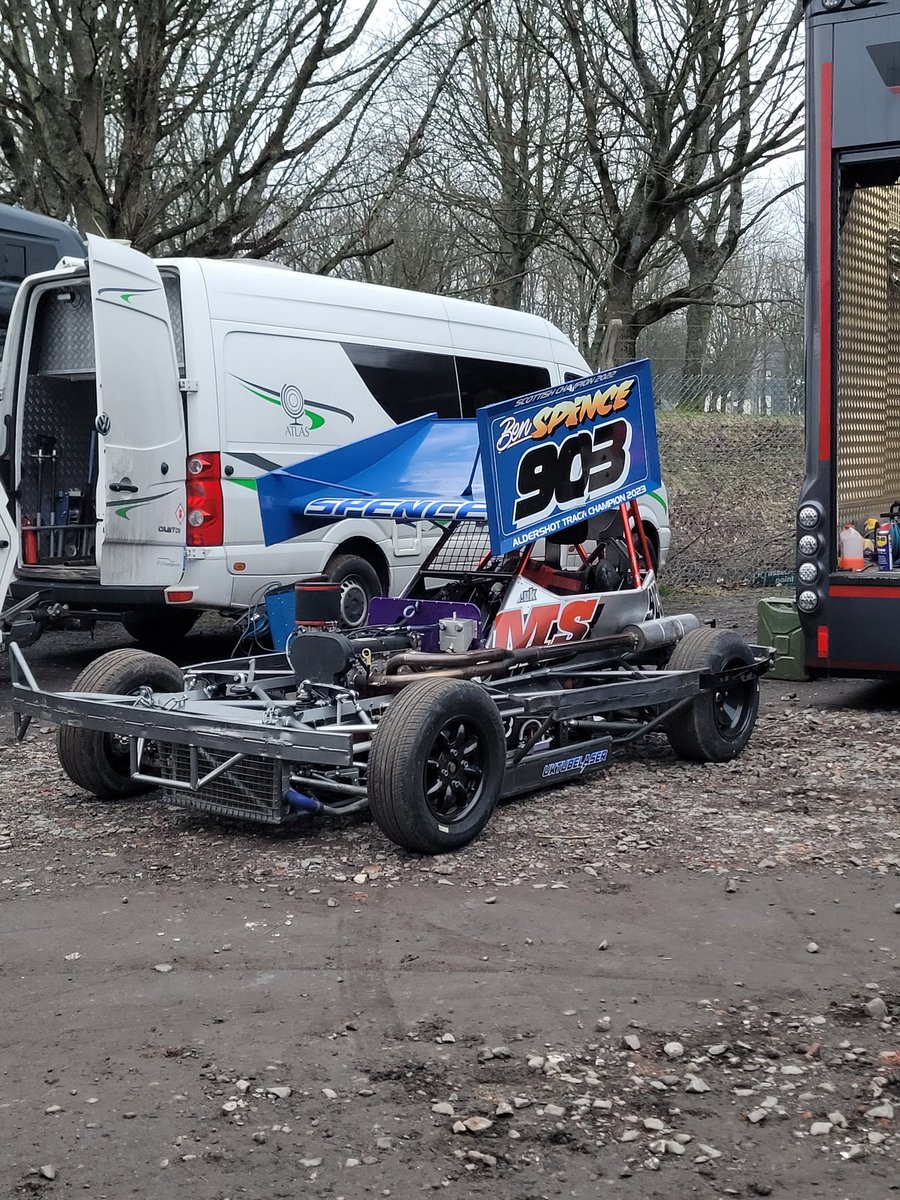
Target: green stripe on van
column 315, row 421
column 659, row 500
column 247, row 483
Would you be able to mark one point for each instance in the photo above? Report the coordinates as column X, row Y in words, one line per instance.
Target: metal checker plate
column 868, row 374
column 65, row 339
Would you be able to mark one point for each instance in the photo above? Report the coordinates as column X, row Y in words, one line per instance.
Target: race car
column 502, row 669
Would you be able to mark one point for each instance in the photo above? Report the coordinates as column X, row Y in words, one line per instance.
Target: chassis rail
column 259, row 752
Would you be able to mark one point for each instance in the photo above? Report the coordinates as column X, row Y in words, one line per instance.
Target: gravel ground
column 738, row 923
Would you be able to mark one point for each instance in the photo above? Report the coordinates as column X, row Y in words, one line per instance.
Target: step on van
column 141, row 399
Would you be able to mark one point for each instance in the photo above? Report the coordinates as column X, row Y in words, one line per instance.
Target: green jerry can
column 778, row 625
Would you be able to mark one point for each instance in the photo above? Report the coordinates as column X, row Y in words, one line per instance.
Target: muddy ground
column 672, row 981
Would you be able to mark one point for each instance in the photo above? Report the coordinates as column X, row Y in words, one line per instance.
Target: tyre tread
column 81, row 751
column 393, row 751
column 688, row 731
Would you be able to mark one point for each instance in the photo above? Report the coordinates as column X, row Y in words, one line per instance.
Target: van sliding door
column 140, row 421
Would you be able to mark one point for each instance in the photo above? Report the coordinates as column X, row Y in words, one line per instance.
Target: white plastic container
column 851, row 556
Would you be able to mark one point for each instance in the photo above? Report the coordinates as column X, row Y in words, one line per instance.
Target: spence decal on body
column 557, row 457
column 305, row 414
column 387, row 508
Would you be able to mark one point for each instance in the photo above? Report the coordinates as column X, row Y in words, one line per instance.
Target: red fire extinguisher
column 29, row 542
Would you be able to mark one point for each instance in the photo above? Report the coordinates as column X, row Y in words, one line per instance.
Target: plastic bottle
column 883, row 549
column 851, row 556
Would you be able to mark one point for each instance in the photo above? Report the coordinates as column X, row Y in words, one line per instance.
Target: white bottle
column 851, row 556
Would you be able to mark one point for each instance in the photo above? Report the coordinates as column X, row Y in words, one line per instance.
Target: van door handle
column 123, row 486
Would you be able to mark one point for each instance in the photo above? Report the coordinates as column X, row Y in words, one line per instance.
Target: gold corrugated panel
column 891, row 439
column 867, row 364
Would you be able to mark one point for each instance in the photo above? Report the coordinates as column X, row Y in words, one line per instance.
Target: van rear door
column 140, row 421
column 7, row 548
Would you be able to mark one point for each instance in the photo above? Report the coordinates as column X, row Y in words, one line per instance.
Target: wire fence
column 733, row 480
column 759, row 393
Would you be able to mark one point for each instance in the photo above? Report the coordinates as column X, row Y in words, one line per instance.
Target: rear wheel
column 359, row 583
column 436, row 765
column 160, row 627
column 99, row 762
column 716, row 725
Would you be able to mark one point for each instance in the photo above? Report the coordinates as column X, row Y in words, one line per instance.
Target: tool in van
column 29, row 542
column 45, row 453
column 60, row 520
column 74, row 537
column 88, row 510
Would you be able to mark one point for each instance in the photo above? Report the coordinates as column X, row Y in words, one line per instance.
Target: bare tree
column 497, row 160
column 197, row 125
column 681, row 100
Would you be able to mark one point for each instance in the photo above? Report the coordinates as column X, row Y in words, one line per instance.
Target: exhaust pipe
column 664, row 631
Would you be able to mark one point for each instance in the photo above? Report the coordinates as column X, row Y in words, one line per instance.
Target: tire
column 161, row 627
column 653, row 544
column 99, row 762
column 436, row 765
column 359, row 583
column 716, row 725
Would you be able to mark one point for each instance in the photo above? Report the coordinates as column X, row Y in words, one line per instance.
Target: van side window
column 572, row 375
column 482, row 381
column 407, row 383
column 13, row 262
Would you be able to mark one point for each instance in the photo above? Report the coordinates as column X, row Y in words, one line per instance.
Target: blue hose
column 301, row 803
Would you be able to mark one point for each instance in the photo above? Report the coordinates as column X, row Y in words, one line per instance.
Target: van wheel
column 436, row 765
column 716, row 724
column 99, row 762
column 359, row 583
column 160, row 627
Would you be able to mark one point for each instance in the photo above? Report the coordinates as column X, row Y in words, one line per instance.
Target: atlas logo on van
column 303, row 413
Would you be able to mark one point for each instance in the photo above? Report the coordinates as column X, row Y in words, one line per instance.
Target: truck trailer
column 852, row 338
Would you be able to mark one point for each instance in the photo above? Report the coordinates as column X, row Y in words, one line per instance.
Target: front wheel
column 436, row 765
column 100, row 762
column 715, row 725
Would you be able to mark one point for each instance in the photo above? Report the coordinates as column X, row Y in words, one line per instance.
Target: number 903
column 552, row 475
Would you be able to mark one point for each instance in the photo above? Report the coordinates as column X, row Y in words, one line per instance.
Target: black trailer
column 852, row 334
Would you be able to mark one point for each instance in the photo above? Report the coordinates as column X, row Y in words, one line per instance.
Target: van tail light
column 205, row 518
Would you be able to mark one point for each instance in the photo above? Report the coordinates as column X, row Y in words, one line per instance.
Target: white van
column 141, row 399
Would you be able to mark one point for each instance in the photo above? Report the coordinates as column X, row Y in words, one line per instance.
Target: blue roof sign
column 559, row 456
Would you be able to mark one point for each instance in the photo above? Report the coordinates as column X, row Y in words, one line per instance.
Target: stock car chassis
column 524, row 651
column 430, row 742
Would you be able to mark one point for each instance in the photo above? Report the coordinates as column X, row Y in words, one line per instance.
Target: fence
column 733, row 482
column 761, row 392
